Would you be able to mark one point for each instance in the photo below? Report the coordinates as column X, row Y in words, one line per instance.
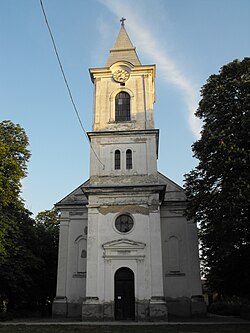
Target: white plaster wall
column 76, row 283
column 186, row 281
column 62, row 257
column 144, row 153
column 140, row 87
column 105, row 270
column 147, row 270
column 195, row 277
column 70, row 284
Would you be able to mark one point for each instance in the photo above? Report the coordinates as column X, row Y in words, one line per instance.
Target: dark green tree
column 21, row 263
column 218, row 189
column 47, row 232
column 14, row 155
column 18, row 261
column 28, row 247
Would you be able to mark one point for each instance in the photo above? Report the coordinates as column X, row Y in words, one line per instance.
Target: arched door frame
column 124, row 294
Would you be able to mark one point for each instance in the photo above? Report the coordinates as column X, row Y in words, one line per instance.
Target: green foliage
column 14, row 156
column 47, row 232
column 233, row 307
column 20, row 263
column 218, row 189
column 28, row 247
column 28, row 273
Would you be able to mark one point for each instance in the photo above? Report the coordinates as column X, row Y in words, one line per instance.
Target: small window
column 124, row 223
column 84, row 254
column 81, row 255
column 129, row 159
column 86, row 230
column 122, row 107
column 174, row 259
column 117, row 160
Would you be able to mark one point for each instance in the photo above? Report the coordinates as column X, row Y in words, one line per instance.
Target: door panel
column 124, row 294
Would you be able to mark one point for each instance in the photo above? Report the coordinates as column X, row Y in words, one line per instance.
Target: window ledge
column 121, row 122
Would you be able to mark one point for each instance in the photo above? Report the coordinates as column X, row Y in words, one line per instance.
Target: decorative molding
column 175, row 274
column 80, row 275
column 76, row 213
column 124, row 249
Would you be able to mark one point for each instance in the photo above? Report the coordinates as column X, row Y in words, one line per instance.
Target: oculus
column 124, row 223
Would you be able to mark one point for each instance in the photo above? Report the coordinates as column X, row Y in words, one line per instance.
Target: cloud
column 150, row 44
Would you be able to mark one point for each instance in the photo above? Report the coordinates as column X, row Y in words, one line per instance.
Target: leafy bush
column 6, row 316
column 225, row 308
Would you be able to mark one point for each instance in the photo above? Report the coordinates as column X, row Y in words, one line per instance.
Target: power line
column 66, row 82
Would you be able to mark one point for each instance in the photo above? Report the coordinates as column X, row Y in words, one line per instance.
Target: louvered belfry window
column 122, row 107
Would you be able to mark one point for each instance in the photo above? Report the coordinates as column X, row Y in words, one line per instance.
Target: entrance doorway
column 124, row 294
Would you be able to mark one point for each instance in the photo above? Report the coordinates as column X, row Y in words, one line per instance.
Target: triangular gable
column 124, row 244
column 174, row 192
column 76, row 197
column 124, row 249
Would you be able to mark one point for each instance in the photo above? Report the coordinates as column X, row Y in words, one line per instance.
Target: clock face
column 120, row 75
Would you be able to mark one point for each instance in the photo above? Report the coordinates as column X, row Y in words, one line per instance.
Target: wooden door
column 124, row 294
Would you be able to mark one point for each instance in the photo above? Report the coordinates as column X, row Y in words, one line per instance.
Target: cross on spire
column 122, row 21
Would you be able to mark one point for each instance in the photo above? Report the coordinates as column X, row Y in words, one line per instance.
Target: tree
column 17, row 237
column 47, row 231
column 14, row 156
column 218, row 189
column 21, row 263
column 28, row 247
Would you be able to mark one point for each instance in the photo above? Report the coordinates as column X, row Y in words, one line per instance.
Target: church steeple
column 123, row 49
column 124, row 89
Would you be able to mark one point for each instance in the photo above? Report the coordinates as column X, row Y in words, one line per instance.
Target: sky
column 187, row 40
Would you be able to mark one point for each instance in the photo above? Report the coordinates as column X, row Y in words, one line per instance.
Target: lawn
column 212, row 328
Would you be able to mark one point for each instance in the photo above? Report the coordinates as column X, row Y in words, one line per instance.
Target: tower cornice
column 100, row 72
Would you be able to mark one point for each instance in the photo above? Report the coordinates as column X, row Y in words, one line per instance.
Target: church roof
column 123, row 50
column 173, row 192
column 76, row 197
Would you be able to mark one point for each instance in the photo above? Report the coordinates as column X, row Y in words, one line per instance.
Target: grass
column 213, row 328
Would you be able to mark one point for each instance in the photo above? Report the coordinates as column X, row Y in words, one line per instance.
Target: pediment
column 121, row 244
column 124, row 249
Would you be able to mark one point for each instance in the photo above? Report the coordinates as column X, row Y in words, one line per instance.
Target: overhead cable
column 66, row 82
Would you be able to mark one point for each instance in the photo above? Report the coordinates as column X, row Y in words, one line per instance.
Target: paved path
column 209, row 320
column 117, row 323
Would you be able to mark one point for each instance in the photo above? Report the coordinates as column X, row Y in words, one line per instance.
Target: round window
column 124, row 223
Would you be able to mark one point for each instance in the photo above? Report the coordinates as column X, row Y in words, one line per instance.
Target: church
column 126, row 249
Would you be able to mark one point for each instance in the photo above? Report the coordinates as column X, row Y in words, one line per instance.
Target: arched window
column 84, row 254
column 81, row 245
column 122, row 107
column 174, row 259
column 117, row 160
column 129, row 159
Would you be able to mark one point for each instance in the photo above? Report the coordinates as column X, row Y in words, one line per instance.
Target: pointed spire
column 123, row 50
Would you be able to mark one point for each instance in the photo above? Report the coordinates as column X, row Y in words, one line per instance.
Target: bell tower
column 126, row 248
column 124, row 140
column 124, row 194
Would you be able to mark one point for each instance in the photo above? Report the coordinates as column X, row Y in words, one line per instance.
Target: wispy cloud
column 150, row 44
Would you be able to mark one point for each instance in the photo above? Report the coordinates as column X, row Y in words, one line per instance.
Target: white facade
column 126, row 250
